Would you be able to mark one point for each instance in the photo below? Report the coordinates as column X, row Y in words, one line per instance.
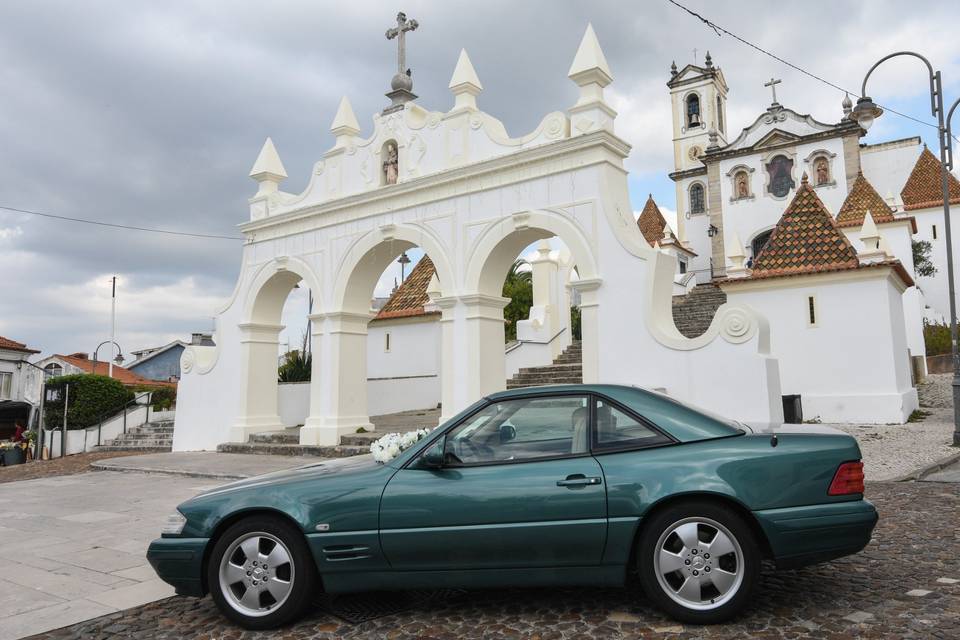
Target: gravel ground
column 937, row 391
column 903, row 585
column 69, row 465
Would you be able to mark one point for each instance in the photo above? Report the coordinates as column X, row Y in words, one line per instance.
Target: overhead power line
column 127, row 227
column 720, row 31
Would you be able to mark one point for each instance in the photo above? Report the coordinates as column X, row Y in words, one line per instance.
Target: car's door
column 517, row 488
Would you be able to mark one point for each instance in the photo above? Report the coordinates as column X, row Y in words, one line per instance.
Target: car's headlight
column 174, row 525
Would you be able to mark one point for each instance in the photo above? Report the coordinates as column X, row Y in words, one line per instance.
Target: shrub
column 90, row 397
column 936, row 336
column 162, row 398
column 296, row 367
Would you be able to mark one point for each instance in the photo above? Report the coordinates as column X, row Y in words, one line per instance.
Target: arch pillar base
column 259, row 343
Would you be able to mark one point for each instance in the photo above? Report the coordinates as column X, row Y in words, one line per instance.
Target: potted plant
column 13, row 453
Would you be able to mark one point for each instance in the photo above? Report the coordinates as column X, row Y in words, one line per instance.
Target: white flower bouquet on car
column 393, row 444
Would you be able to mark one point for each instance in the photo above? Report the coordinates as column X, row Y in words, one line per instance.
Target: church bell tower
column 698, row 98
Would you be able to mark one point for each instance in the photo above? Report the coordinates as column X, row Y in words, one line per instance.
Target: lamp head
column 866, row 112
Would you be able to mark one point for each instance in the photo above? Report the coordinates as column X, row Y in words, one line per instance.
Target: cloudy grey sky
column 151, row 114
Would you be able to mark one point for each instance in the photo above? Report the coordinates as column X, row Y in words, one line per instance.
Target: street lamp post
column 118, row 359
column 865, row 113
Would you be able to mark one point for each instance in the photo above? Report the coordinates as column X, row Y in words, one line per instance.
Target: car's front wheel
column 261, row 573
column 698, row 561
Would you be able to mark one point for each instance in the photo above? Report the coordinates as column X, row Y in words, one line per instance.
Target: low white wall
column 81, row 440
column 384, row 395
column 293, row 403
column 527, row 354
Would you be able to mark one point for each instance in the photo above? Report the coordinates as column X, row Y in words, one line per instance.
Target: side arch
column 270, row 285
column 365, row 261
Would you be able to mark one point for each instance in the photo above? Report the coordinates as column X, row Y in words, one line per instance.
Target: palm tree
column 518, row 286
column 296, row 367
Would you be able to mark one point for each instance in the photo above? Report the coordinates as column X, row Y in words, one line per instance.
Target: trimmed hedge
column 91, row 396
column 161, row 398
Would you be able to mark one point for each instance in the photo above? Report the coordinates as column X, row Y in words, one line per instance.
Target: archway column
column 472, row 362
column 589, row 327
column 338, row 388
column 259, row 348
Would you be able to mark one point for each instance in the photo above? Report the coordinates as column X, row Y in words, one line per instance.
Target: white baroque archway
column 472, row 198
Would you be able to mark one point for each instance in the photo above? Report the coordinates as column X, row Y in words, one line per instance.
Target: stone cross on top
column 773, row 87
column 402, row 83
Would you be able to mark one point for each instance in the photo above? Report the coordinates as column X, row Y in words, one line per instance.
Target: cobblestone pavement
column 906, row 584
column 78, row 463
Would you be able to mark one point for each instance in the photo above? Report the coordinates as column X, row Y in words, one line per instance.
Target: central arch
column 494, row 251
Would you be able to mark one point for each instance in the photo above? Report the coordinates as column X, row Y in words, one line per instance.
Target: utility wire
column 720, row 31
column 122, row 226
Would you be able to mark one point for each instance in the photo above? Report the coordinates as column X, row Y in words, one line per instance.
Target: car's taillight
column 848, row 479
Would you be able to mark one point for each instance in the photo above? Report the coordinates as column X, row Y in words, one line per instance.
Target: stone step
column 551, row 368
column 143, row 448
column 339, row 451
column 291, row 436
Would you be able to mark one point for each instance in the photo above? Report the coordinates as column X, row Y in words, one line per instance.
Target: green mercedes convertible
column 561, row 485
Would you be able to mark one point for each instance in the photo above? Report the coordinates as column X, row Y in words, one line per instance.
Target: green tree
column 575, row 322
column 296, row 367
column 921, row 258
column 518, row 286
column 936, row 337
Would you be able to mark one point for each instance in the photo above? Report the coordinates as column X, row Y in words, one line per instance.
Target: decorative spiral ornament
column 737, row 325
column 187, row 360
column 554, row 127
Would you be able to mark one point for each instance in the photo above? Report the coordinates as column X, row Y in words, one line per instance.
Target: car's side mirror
column 507, row 433
column 432, row 458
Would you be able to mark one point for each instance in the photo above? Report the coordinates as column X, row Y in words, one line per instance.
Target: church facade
column 733, row 191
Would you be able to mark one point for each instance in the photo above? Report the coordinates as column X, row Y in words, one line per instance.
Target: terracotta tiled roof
column 651, row 222
column 410, row 297
column 127, row 377
column 13, row 345
column 924, row 188
column 862, row 198
column 805, row 240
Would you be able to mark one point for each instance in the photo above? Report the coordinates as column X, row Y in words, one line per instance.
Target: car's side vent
column 339, row 552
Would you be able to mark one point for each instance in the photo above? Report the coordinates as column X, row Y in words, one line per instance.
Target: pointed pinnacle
column 464, row 73
column 589, row 56
column 268, row 163
column 345, row 122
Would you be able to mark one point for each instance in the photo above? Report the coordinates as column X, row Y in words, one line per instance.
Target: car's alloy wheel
column 699, row 561
column 256, row 574
column 261, row 573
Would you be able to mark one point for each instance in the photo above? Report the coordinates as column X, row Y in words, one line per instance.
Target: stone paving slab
column 73, row 547
column 873, row 594
column 205, row 464
column 949, row 473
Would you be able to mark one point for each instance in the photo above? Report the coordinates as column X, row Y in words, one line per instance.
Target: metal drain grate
column 360, row 607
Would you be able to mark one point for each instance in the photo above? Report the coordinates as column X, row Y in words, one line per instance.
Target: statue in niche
column 391, row 164
column 823, row 171
column 743, row 190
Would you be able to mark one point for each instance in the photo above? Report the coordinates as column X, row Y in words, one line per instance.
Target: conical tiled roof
column 805, row 240
column 651, row 222
column 410, row 297
column 924, row 187
column 862, row 198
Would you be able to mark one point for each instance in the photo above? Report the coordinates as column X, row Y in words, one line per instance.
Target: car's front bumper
column 179, row 562
column 806, row 535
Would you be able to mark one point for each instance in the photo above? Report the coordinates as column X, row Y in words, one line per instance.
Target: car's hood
column 339, row 466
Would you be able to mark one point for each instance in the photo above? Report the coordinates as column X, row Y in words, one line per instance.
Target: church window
column 693, row 111
column 934, row 229
column 759, row 243
column 386, row 342
column 779, row 170
column 720, row 115
column 811, row 311
column 696, row 198
column 683, row 266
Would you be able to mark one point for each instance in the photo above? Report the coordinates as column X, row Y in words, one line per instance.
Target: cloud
column 151, row 114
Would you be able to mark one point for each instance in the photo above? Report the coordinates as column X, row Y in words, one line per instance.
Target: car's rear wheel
column 699, row 561
column 261, row 573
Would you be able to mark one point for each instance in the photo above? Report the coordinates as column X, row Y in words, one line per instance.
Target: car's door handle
column 578, row 480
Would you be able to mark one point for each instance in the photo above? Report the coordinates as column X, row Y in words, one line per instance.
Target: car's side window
column 521, row 429
column 616, row 429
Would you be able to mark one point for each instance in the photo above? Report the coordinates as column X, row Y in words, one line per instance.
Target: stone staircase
column 151, row 437
column 287, row 441
column 566, row 369
column 694, row 312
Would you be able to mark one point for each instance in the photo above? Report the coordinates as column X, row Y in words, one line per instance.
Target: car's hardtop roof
column 680, row 420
